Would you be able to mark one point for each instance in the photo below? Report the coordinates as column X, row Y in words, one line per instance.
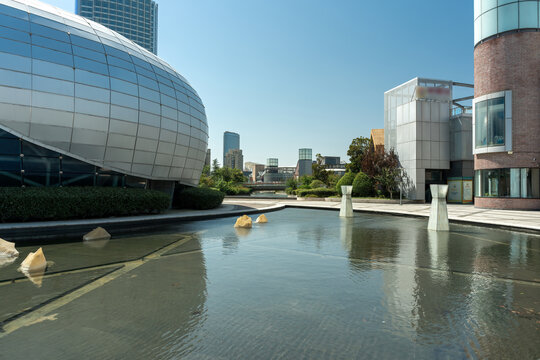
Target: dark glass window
column 41, row 179
column 71, row 165
column 110, row 180
column 10, row 146
column 489, row 122
column 10, row 163
column 29, row 149
column 33, row 164
column 515, row 183
column 10, row 178
column 74, row 179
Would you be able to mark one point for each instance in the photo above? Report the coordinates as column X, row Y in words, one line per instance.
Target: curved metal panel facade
column 77, row 87
column 492, row 17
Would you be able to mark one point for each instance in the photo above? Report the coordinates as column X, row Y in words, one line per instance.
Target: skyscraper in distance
column 231, row 141
column 135, row 19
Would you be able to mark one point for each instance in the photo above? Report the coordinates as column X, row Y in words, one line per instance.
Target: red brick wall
column 507, row 203
column 512, row 62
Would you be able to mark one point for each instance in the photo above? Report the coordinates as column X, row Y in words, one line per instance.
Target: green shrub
column 197, row 198
column 362, row 185
column 315, row 184
column 59, row 203
column 346, row 179
column 319, row 192
column 290, row 191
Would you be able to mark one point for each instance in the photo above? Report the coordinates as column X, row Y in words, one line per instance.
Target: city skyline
column 308, row 74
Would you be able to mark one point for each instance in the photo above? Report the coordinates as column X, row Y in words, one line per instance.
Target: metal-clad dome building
column 83, row 105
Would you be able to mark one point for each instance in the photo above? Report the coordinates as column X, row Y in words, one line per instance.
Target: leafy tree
column 206, row 170
column 319, row 172
column 234, row 176
column 305, row 180
column 358, row 148
column 346, row 179
column 215, row 165
column 292, row 184
column 389, row 179
column 362, row 185
column 317, row 184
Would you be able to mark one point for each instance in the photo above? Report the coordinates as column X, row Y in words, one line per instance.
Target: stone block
column 34, row 262
column 438, row 216
column 243, row 221
column 7, row 249
column 261, row 219
column 346, row 209
column 98, row 233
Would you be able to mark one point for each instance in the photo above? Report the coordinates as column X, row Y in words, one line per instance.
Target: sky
column 290, row 74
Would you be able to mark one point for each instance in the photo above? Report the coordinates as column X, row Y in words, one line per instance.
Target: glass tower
column 135, row 19
column 231, row 141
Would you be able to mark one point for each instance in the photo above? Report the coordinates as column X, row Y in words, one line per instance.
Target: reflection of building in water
column 443, row 289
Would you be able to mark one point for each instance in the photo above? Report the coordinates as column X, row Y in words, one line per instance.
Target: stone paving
column 529, row 220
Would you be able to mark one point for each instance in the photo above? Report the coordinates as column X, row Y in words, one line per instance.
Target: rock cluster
column 243, row 221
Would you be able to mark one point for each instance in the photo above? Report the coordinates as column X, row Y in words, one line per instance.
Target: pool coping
column 70, row 229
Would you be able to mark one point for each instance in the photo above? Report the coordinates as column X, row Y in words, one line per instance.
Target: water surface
column 307, row 285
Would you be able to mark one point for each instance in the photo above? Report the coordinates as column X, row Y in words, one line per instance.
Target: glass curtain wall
column 489, row 123
column 25, row 164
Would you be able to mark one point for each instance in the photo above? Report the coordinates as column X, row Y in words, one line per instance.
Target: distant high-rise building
column 234, row 159
column 305, row 162
column 231, row 141
column 135, row 19
column 208, row 158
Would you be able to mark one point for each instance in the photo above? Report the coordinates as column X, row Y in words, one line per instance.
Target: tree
column 215, row 165
column 319, row 172
column 358, row 148
column 229, row 175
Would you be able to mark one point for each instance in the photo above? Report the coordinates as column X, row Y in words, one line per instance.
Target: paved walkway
column 529, row 220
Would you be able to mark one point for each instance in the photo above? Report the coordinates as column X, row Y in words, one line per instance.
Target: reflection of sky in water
column 306, row 285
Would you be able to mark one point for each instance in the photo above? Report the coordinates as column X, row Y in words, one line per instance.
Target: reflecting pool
column 306, row 285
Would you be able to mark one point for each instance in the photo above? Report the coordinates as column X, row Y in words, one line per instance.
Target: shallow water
column 306, row 285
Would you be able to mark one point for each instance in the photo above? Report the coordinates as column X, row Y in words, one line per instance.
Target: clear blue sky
column 287, row 74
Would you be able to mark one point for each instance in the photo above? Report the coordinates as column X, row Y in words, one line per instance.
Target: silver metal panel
column 67, row 106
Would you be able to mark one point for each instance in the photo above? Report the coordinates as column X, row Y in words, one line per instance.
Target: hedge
column 346, row 179
column 197, row 198
column 315, row 184
column 362, row 185
column 319, row 192
column 59, row 203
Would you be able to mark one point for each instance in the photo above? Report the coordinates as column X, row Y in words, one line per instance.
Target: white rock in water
column 34, row 262
column 243, row 221
column 98, row 233
column 7, row 249
column 261, row 219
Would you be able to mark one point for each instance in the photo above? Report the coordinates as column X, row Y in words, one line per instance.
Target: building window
column 489, row 124
column 514, row 183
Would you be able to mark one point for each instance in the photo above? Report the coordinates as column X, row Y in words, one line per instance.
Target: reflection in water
column 307, row 285
column 96, row 244
column 35, row 276
column 6, row 261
